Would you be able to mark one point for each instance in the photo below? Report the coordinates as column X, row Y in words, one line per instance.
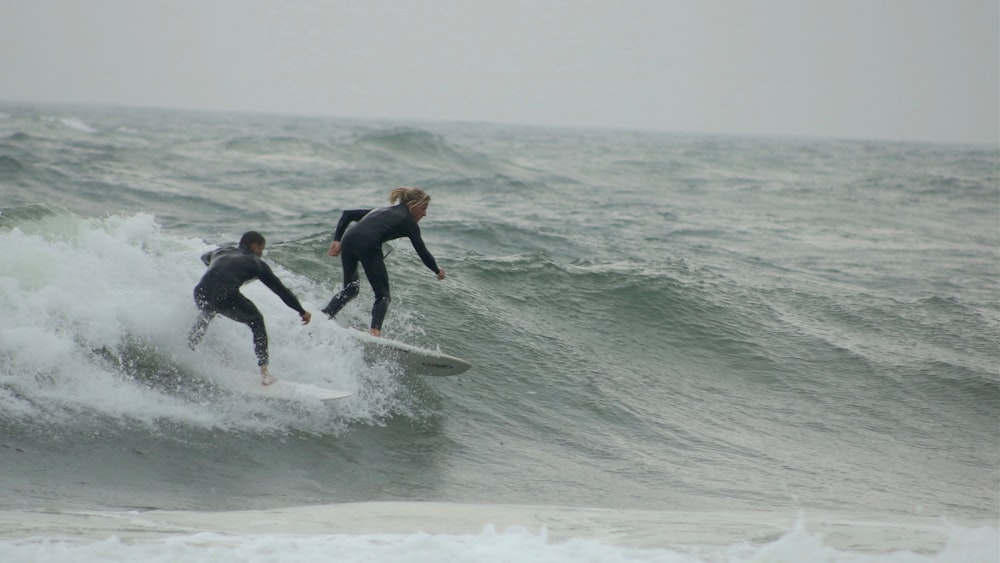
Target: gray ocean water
column 656, row 321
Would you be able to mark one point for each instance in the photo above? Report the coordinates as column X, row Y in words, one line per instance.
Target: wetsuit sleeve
column 421, row 248
column 268, row 278
column 346, row 218
column 207, row 257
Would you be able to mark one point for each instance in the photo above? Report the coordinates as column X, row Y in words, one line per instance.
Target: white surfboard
column 413, row 359
column 288, row 390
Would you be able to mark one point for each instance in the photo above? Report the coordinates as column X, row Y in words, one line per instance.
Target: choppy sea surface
column 685, row 348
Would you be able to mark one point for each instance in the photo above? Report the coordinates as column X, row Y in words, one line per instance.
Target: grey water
column 655, row 320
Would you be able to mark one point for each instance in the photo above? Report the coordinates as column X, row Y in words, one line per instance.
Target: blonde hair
column 412, row 197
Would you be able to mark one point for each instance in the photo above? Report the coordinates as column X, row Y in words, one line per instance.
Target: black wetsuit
column 363, row 243
column 218, row 292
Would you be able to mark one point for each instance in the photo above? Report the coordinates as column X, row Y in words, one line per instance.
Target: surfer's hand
column 440, row 274
column 334, row 249
column 306, row 317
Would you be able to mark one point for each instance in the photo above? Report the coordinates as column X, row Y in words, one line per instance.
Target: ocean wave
column 25, row 215
column 76, row 124
column 421, row 149
column 10, row 166
column 653, row 320
column 292, row 146
column 19, row 137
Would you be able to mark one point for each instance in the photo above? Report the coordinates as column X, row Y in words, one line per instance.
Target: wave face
column 655, row 321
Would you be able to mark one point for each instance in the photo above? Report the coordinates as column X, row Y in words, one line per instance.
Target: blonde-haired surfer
column 363, row 243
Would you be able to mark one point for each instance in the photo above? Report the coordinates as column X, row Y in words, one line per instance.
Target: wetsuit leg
column 199, row 327
column 205, row 315
column 352, row 285
column 212, row 301
column 378, row 277
column 242, row 310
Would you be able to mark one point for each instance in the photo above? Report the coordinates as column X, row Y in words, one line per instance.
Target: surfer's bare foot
column 375, row 332
column 265, row 377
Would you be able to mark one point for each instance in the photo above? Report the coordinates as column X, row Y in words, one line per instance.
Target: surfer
column 218, row 292
column 363, row 243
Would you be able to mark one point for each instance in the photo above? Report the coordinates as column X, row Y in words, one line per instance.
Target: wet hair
column 412, row 197
column 251, row 237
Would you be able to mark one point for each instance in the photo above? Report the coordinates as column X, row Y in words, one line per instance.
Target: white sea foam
column 78, row 295
column 486, row 533
column 78, row 124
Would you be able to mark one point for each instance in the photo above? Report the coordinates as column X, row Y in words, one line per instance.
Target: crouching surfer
column 218, row 292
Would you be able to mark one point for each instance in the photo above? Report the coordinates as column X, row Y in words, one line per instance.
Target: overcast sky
column 871, row 69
